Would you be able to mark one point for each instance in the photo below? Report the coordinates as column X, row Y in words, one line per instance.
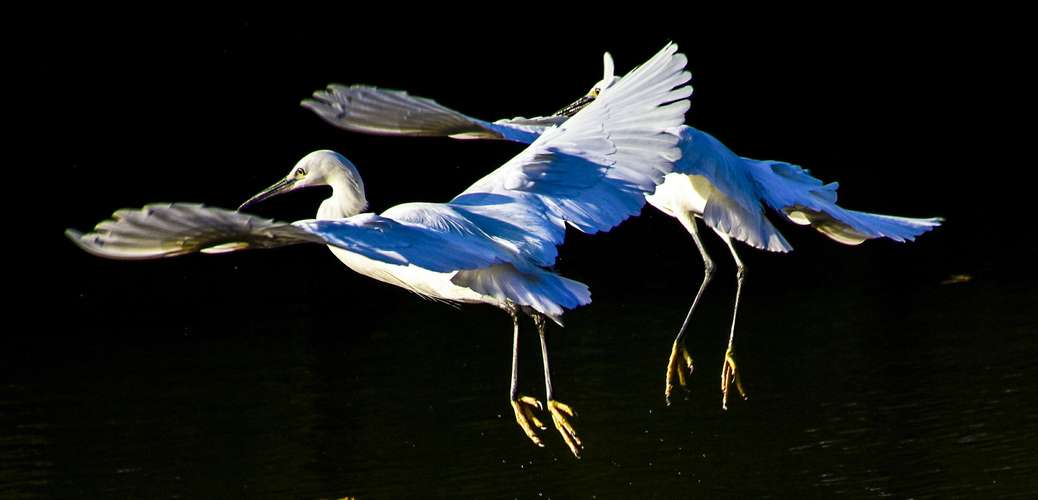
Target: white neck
column 347, row 197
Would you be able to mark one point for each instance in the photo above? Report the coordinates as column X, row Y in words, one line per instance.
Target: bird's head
column 321, row 168
column 608, row 80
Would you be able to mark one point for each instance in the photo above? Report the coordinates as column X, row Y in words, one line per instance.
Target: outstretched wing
column 172, row 229
column 372, row 110
column 803, row 199
column 440, row 240
column 168, row 230
column 593, row 170
column 744, row 186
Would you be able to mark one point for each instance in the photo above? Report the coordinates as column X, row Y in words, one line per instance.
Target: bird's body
column 729, row 193
column 421, row 281
column 494, row 243
column 348, row 200
column 681, row 193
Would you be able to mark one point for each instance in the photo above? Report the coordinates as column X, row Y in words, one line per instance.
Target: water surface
column 922, row 392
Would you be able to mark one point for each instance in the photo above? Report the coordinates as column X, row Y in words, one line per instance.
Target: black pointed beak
column 578, row 105
column 281, row 186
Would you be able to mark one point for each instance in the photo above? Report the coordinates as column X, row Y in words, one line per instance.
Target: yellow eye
column 595, row 91
column 300, row 172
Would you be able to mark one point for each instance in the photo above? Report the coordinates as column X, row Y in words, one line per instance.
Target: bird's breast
column 681, row 193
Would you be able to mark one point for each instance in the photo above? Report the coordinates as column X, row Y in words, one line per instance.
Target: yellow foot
column 730, row 374
column 559, row 414
column 523, row 407
column 678, row 356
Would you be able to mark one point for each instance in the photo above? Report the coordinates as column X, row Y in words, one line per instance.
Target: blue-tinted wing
column 454, row 233
column 593, row 170
column 803, row 199
column 744, row 186
column 427, row 235
column 168, row 230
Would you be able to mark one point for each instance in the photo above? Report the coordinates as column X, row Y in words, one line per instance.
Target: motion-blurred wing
column 372, row 110
column 593, row 170
column 168, row 230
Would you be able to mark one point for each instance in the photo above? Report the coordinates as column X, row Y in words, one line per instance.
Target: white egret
column 492, row 244
column 710, row 182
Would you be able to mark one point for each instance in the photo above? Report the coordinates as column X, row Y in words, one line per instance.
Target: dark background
column 910, row 112
column 903, row 110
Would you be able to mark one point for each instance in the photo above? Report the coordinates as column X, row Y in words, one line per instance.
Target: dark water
column 923, row 391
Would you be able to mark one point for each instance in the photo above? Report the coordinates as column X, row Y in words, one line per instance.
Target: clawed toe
column 524, row 416
column 730, row 374
column 680, row 362
column 560, row 413
column 524, row 407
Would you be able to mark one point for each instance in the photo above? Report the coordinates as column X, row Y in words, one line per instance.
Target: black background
column 907, row 110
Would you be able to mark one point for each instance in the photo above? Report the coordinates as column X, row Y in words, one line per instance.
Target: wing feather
column 373, row 110
column 168, row 230
column 594, row 170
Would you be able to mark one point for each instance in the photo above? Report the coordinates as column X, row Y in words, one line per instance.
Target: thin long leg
column 560, row 412
column 729, row 373
column 678, row 352
column 515, row 356
column 539, row 321
column 708, row 272
column 523, row 406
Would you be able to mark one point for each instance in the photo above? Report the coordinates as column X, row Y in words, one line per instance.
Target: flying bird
column 492, row 244
column 729, row 193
